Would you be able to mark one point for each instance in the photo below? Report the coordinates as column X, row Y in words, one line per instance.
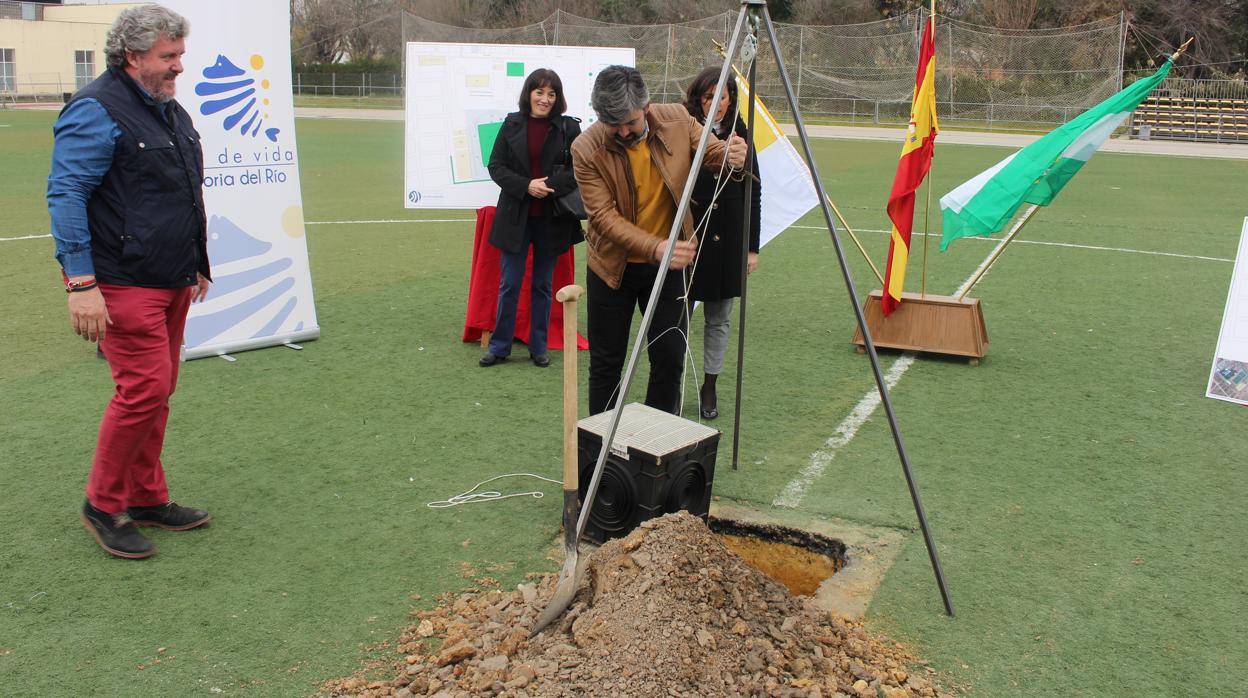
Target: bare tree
column 677, row 11
column 827, row 12
column 370, row 28
column 1007, row 14
column 1206, row 21
column 317, row 31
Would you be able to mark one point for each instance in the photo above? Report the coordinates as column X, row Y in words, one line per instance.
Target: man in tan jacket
column 631, row 166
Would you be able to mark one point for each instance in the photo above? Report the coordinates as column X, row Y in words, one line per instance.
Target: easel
column 758, row 16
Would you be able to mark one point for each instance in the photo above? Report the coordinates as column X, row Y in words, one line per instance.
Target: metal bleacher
column 1209, row 119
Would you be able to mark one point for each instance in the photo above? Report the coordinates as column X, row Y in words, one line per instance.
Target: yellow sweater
column 655, row 207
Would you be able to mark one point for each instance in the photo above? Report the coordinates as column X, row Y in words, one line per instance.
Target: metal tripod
column 755, row 11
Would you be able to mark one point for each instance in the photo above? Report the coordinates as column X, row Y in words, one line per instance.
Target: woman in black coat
column 717, row 274
column 531, row 164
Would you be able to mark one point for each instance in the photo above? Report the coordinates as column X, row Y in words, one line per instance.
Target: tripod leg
column 862, row 324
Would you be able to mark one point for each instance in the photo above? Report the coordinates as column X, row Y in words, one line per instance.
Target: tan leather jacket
column 607, row 188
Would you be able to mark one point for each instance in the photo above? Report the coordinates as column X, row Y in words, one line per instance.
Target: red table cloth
column 483, row 289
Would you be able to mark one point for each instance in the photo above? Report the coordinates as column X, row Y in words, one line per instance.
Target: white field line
column 391, row 221
column 794, row 492
column 377, row 222
column 394, row 220
column 25, row 237
column 1070, row 245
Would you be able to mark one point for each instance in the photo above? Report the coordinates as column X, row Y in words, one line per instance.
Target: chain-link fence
column 348, row 84
column 860, row 73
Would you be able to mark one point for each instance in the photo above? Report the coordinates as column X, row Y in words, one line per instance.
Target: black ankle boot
column 706, row 396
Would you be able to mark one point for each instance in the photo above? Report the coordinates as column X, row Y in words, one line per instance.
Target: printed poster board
column 456, row 98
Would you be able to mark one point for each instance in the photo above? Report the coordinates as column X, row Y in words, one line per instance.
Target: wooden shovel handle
column 568, row 296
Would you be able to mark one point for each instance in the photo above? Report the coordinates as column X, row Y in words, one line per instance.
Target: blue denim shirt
column 82, row 153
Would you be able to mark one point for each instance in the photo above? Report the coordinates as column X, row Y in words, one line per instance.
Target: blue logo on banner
column 264, row 289
column 240, row 95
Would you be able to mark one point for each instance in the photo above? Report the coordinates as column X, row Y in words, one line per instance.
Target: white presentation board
column 1228, row 379
column 237, row 89
column 457, row 97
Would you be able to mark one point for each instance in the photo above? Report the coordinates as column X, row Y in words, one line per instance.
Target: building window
column 8, row 74
column 84, row 68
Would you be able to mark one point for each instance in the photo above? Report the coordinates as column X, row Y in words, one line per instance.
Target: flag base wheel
column 932, row 324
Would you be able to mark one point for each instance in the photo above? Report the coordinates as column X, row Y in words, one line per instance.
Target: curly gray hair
column 618, row 90
column 137, row 29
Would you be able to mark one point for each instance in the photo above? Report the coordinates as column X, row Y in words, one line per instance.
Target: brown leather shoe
column 170, row 516
column 116, row 533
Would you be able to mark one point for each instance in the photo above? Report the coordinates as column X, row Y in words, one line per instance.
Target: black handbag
column 567, row 206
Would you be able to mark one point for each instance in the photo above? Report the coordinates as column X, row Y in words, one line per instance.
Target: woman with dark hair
column 530, row 162
column 717, row 272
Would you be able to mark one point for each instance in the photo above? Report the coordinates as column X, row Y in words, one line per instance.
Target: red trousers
column 143, row 349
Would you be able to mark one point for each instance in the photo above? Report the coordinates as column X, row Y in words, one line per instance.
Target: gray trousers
column 715, row 335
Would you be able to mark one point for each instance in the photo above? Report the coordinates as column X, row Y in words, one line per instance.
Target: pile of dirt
column 666, row 611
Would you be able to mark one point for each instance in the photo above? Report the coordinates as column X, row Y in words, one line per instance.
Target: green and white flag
column 1035, row 174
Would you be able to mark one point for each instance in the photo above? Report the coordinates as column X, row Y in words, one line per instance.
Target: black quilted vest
column 147, row 216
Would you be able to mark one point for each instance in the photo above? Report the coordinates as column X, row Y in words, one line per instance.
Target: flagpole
column 927, row 212
column 852, row 235
column 927, row 209
column 992, row 260
column 1182, row 49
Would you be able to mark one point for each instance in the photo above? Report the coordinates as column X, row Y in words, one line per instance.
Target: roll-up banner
column 237, row 89
column 1228, row 379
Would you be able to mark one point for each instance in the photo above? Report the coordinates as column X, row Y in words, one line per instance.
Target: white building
column 49, row 50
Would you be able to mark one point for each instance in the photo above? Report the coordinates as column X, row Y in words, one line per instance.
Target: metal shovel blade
column 566, row 588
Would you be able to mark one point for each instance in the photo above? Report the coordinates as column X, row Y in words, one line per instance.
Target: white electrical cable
column 473, row 497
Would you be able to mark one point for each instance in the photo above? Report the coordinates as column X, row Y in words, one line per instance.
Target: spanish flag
column 916, row 160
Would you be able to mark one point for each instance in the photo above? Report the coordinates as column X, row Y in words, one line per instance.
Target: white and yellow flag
column 788, row 192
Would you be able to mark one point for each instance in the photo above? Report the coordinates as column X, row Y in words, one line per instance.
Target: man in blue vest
column 126, row 201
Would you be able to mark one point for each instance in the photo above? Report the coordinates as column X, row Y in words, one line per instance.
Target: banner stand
column 932, row 324
column 237, row 89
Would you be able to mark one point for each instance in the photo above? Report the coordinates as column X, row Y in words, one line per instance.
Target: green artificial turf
column 1087, row 500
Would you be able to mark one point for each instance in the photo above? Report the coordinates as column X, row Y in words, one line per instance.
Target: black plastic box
column 661, row 463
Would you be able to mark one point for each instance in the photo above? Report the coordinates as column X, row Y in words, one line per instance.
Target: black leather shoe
column 541, row 360
column 707, row 400
column 489, row 360
column 170, row 516
column 116, row 533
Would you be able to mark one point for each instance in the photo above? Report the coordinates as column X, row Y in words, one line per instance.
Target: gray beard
column 155, row 91
column 633, row 140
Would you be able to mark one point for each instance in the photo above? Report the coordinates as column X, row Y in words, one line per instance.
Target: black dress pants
column 611, row 312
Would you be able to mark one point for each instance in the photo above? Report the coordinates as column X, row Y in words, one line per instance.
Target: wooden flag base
column 935, row 324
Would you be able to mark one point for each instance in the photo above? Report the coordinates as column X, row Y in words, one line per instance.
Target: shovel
column 566, row 588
